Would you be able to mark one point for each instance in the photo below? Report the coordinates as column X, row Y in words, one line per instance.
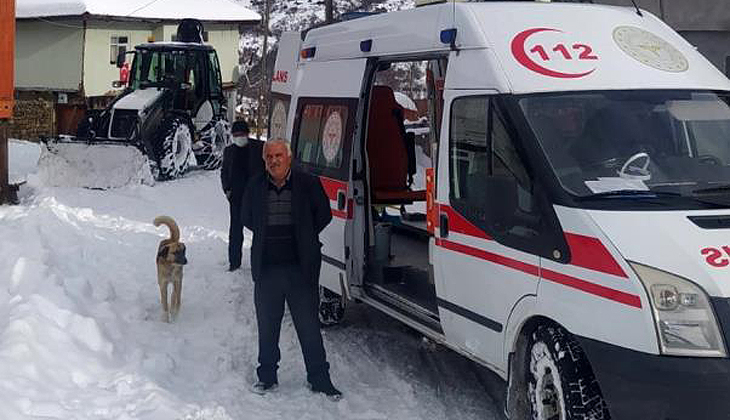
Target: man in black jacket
column 286, row 210
column 242, row 160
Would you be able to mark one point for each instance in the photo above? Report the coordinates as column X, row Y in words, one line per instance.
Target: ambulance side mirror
column 501, row 204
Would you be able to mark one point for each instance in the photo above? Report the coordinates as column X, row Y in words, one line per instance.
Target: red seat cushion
column 386, row 149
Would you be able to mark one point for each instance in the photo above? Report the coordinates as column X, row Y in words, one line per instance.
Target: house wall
column 224, row 38
column 48, row 55
column 99, row 72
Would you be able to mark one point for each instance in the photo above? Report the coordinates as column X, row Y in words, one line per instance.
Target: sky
column 81, row 335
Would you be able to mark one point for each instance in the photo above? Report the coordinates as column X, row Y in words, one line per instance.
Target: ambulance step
column 406, row 306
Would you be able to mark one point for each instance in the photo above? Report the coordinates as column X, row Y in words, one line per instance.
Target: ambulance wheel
column 174, row 149
column 560, row 381
column 331, row 307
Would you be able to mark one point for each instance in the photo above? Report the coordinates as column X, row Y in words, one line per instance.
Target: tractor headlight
column 685, row 321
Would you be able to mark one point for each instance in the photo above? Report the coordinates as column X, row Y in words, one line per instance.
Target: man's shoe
column 329, row 390
column 262, row 388
column 234, row 267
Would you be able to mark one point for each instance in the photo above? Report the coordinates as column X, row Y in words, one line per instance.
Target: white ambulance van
column 565, row 221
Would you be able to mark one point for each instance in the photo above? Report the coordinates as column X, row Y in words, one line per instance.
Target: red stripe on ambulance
column 553, row 276
column 590, row 253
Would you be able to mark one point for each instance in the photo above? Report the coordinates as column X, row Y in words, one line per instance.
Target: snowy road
column 80, row 335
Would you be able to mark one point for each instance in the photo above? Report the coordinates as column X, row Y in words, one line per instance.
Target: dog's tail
column 170, row 223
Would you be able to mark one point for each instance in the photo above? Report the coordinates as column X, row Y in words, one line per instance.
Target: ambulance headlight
column 685, row 321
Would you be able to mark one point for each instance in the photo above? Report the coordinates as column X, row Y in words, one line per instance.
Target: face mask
column 240, row 141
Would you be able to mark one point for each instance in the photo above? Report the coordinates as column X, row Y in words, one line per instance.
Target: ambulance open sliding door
column 480, row 277
column 323, row 138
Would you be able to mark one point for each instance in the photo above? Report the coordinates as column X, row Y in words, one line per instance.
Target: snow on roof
column 208, row 10
column 404, row 101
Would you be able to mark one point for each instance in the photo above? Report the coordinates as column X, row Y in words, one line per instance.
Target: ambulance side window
column 468, row 158
column 323, row 135
column 490, row 185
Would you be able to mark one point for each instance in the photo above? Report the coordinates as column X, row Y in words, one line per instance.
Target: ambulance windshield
column 614, row 142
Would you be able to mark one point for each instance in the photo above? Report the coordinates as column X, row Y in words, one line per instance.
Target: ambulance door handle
column 341, row 200
column 444, row 225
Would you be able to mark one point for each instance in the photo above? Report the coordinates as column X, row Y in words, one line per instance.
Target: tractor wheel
column 331, row 307
column 213, row 158
column 174, row 149
column 560, row 381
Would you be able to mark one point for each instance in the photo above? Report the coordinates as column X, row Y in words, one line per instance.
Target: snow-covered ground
column 81, row 336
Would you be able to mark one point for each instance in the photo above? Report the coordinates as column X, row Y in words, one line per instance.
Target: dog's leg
column 176, row 298
column 163, row 300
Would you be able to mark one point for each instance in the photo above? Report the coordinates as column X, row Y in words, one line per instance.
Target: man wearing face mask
column 241, row 162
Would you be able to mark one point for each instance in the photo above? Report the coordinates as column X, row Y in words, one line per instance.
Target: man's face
column 277, row 160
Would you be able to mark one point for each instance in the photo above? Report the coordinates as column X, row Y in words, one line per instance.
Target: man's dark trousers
column 277, row 285
column 235, row 231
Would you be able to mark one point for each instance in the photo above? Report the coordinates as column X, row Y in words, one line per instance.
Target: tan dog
column 170, row 261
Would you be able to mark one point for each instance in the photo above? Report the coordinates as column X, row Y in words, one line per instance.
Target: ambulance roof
column 539, row 47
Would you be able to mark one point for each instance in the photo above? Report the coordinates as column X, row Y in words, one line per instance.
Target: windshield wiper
column 629, row 194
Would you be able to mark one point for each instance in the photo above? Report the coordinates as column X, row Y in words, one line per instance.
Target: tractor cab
column 190, row 72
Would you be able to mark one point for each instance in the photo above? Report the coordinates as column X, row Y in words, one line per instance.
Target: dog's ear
column 162, row 252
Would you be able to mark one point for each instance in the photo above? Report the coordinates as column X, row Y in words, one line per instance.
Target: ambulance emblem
column 649, row 49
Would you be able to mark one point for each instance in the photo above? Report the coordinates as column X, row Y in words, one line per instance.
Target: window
column 215, row 75
column 490, row 185
column 278, row 113
column 468, row 157
column 323, row 135
column 117, row 44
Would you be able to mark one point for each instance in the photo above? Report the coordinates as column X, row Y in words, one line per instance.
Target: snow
column 208, row 10
column 81, row 336
column 404, row 101
column 76, row 164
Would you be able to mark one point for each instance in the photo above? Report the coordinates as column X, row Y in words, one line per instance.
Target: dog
column 170, row 261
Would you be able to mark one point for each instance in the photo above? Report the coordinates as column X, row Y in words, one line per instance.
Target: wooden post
column 264, row 87
column 7, row 90
column 5, row 194
column 328, row 11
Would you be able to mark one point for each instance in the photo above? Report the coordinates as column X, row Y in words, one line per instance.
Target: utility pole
column 264, row 86
column 329, row 11
column 7, row 91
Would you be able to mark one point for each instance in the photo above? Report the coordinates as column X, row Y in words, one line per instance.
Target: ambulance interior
column 400, row 145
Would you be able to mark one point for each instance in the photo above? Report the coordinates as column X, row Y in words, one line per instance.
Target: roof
column 208, row 10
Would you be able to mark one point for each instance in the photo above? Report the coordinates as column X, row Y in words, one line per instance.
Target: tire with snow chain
column 174, row 148
column 212, row 157
column 560, row 381
column 331, row 307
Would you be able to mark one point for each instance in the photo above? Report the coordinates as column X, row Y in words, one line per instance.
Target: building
column 66, row 52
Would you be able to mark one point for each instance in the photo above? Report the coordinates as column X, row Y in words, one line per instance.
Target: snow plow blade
column 67, row 162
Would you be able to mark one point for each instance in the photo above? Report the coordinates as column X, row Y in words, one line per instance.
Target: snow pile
column 99, row 166
column 22, row 159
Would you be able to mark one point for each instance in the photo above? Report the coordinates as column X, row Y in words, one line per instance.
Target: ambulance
column 564, row 222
